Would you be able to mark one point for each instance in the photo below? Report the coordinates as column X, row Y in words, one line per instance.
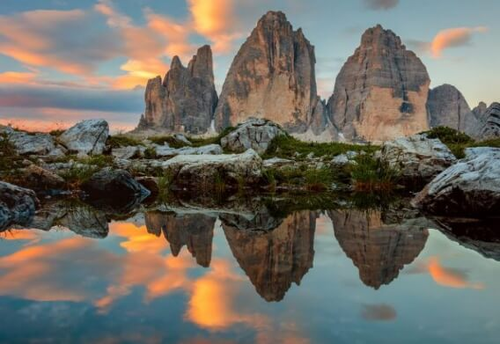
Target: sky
column 62, row 61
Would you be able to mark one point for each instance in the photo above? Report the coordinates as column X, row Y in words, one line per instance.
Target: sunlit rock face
column 272, row 76
column 381, row 91
column 273, row 259
column 379, row 251
column 448, row 108
column 186, row 99
column 196, row 231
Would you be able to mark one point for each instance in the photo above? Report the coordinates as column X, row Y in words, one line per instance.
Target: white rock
column 470, row 188
column 87, row 137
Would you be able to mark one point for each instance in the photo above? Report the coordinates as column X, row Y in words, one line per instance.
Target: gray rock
column 470, row 188
column 381, row 92
column 199, row 172
column 186, row 99
column 17, row 205
column 254, row 133
column 341, row 160
column 489, row 123
column 448, row 108
column 167, row 152
column 110, row 183
column 277, row 163
column 87, row 137
column 183, row 139
column 418, row 158
column 37, row 178
column 28, row 143
column 272, row 76
column 128, row 152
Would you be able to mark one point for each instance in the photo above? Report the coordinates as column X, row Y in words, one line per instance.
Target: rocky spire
column 381, row 91
column 186, row 100
column 488, row 126
column 272, row 76
column 447, row 107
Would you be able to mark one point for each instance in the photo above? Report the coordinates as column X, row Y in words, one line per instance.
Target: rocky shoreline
column 258, row 156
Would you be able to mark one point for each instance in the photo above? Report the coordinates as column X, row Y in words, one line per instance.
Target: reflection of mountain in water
column 378, row 250
column 273, row 259
column 196, row 231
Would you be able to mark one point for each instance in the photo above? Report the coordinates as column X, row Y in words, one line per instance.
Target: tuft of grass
column 371, row 174
column 150, row 153
column 215, row 140
column 170, row 140
column 119, row 141
column 164, row 187
column 302, row 178
column 287, row 146
column 77, row 175
column 8, row 155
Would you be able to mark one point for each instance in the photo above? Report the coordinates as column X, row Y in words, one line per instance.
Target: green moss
column 287, row 147
column 119, row 141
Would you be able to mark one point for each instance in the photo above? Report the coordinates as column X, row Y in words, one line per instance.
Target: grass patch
column 287, row 147
column 302, row 177
column 119, row 141
column 371, row 174
column 215, row 140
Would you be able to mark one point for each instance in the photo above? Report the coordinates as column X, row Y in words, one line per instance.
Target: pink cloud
column 452, row 38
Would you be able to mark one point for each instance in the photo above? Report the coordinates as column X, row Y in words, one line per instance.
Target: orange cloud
column 214, row 19
column 454, row 37
column 17, row 78
column 448, row 277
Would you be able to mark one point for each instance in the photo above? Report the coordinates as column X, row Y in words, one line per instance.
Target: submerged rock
column 198, row 172
column 254, row 133
column 87, row 137
column 381, row 92
column 470, row 188
column 272, row 76
column 418, row 158
column 17, row 205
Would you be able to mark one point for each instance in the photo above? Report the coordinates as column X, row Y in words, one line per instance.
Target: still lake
column 196, row 275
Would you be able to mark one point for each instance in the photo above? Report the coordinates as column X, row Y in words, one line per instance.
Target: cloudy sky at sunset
column 66, row 60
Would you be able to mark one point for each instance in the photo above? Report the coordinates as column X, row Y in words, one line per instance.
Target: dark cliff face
column 195, row 231
column 378, row 250
column 274, row 258
column 381, row 91
column 186, row 99
column 272, row 76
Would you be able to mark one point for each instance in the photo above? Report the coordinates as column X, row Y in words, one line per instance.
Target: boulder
column 254, row 133
column 272, row 76
column 166, row 152
column 470, row 188
column 204, row 171
column 114, row 184
column 381, row 91
column 29, row 143
column 186, row 99
column 38, row 178
column 128, row 152
column 17, row 205
column 87, row 137
column 418, row 158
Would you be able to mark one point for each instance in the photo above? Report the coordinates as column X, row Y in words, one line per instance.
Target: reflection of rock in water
column 194, row 230
column 76, row 216
column 274, row 259
column 378, row 250
column 479, row 235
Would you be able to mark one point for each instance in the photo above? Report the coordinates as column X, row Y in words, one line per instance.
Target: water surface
column 205, row 275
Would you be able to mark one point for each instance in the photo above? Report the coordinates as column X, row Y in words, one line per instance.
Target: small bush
column 448, row 135
column 150, row 153
column 371, row 174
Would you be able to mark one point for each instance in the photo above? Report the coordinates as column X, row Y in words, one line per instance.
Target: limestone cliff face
column 378, row 250
column 488, row 126
column 186, row 99
column 272, row 76
column 448, row 107
column 194, row 231
column 381, row 91
column 273, row 259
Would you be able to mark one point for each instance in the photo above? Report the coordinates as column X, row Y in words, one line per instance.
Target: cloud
column 452, row 38
column 65, row 41
column 380, row 312
column 451, row 278
column 215, row 20
column 378, row 5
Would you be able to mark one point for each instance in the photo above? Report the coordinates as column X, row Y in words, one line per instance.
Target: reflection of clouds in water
column 380, row 312
column 77, row 269
column 444, row 276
